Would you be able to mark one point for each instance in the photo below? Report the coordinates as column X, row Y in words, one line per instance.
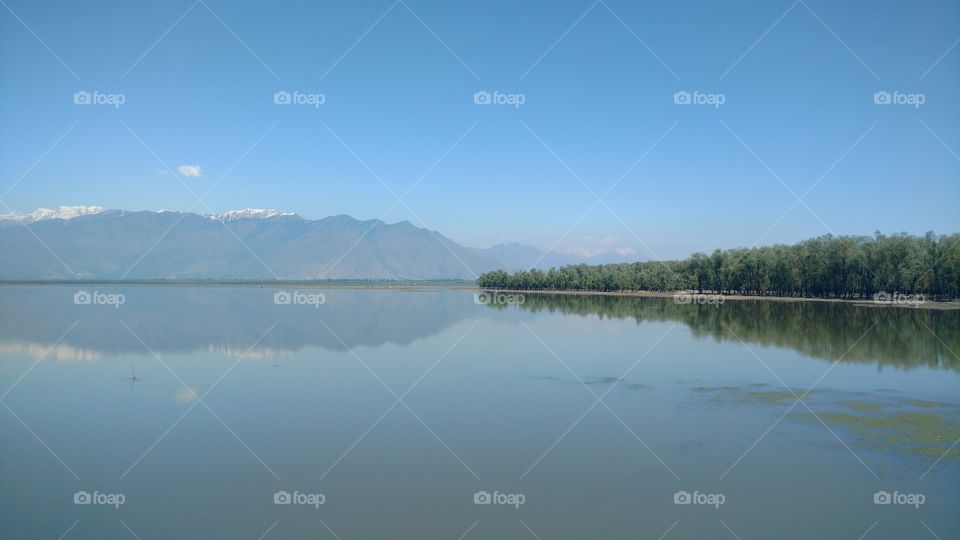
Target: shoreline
column 946, row 306
column 464, row 286
column 406, row 285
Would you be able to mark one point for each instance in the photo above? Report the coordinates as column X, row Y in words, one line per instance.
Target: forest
column 823, row 267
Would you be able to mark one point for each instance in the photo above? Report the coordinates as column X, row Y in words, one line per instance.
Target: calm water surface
column 396, row 409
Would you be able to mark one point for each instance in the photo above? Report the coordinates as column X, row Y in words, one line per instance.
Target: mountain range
column 90, row 242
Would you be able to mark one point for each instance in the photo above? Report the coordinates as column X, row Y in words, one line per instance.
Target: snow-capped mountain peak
column 63, row 212
column 249, row 213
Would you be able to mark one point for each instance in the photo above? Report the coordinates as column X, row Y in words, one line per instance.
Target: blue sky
column 398, row 79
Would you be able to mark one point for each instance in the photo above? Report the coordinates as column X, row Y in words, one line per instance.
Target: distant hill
column 93, row 243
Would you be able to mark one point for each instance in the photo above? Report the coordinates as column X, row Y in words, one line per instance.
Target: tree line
column 823, row 267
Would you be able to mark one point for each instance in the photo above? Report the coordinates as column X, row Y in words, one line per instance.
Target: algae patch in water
column 909, row 432
column 863, row 405
column 899, row 425
column 713, row 389
column 587, row 380
column 924, row 404
column 743, row 396
column 602, row 380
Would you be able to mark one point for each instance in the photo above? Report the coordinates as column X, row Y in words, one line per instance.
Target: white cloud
column 593, row 246
column 612, row 239
column 585, row 252
column 190, row 170
column 187, row 395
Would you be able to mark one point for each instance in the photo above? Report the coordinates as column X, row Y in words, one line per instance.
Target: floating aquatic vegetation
column 601, row 380
column 749, row 395
column 882, row 423
column 928, row 434
column 586, row 380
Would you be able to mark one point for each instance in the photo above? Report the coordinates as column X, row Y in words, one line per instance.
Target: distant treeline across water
column 823, row 267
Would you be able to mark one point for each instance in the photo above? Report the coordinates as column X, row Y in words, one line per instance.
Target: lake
column 248, row 412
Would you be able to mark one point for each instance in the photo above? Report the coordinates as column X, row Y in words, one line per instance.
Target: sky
column 658, row 127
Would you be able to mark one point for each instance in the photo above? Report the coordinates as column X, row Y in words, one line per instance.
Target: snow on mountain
column 253, row 243
column 249, row 213
column 70, row 212
column 42, row 214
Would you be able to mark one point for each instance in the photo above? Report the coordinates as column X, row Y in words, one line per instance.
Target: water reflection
column 904, row 338
column 221, row 320
column 228, row 321
column 133, row 377
column 499, row 404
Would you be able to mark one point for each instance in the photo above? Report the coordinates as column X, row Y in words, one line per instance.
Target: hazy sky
column 788, row 110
